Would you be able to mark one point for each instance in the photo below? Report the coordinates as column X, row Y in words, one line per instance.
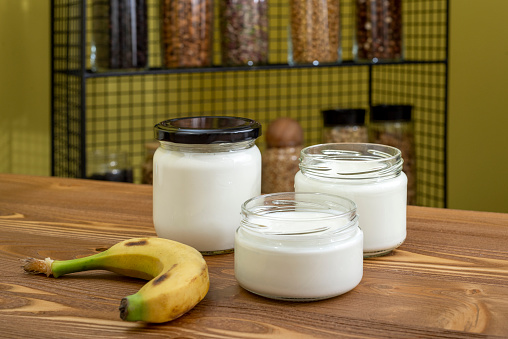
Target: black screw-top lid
column 391, row 113
column 346, row 116
column 207, row 130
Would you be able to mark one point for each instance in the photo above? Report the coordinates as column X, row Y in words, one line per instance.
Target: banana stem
column 61, row 267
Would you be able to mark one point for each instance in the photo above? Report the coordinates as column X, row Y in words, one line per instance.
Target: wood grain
column 449, row 279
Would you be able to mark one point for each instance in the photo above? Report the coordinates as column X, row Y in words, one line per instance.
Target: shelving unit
column 117, row 110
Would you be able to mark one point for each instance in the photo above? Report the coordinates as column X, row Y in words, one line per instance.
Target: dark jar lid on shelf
column 391, row 113
column 207, row 130
column 344, row 116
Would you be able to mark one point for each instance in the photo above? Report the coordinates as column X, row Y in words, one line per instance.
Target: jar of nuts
column 344, row 125
column 186, row 33
column 280, row 159
column 378, row 33
column 314, row 32
column 244, row 32
column 392, row 125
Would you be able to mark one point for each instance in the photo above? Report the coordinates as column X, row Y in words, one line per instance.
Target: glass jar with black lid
column 344, row 125
column 203, row 170
column 393, row 125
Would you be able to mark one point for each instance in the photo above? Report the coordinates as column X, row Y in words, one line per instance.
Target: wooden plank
column 449, row 279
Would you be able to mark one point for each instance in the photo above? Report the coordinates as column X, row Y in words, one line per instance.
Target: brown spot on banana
column 141, row 242
column 164, row 276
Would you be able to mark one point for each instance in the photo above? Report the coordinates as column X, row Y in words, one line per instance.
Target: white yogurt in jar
column 370, row 175
column 198, row 189
column 299, row 246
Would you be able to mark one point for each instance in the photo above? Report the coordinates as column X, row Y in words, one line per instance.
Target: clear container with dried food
column 284, row 142
column 147, row 165
column 378, row 33
column 392, row 125
column 119, row 35
column 109, row 166
column 314, row 32
column 244, row 32
column 344, row 125
column 186, row 33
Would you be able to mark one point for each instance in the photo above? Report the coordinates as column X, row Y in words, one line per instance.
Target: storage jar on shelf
column 244, row 32
column 314, row 32
column 378, row 31
column 119, row 35
column 393, row 125
column 344, row 125
column 186, row 33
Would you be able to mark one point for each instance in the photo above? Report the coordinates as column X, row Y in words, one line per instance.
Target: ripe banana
column 178, row 276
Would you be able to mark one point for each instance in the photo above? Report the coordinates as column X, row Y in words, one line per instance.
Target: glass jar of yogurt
column 203, row 170
column 370, row 175
column 299, row 246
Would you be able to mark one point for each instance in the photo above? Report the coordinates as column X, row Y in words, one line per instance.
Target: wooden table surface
column 449, row 279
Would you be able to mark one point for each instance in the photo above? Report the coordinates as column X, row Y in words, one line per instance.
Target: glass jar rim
column 207, row 130
column 351, row 161
column 260, row 213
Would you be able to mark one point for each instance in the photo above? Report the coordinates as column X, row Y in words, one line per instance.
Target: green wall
column 478, row 106
column 478, row 98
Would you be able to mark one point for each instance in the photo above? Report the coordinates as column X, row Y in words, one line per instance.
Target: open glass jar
column 203, row 170
column 370, row 175
column 299, row 246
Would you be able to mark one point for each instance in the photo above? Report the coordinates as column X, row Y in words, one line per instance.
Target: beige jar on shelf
column 284, row 141
column 344, row 125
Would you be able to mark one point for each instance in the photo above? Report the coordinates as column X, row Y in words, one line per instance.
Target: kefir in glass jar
column 370, row 175
column 203, row 170
column 299, row 246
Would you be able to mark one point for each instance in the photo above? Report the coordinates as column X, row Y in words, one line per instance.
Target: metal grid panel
column 424, row 87
column 66, row 104
column 121, row 108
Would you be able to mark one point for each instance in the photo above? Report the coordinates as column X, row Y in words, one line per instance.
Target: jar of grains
column 147, row 165
column 119, row 35
column 344, row 125
column 186, row 33
column 299, row 246
column 203, row 170
column 284, row 141
column 392, row 125
column 378, row 33
column 244, row 32
column 314, row 32
column 370, row 175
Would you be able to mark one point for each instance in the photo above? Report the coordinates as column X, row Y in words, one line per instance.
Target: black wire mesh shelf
column 117, row 110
